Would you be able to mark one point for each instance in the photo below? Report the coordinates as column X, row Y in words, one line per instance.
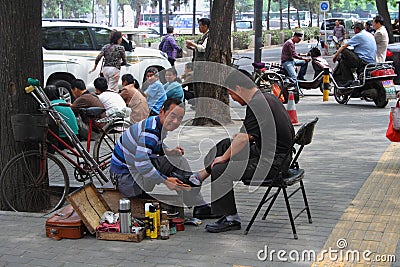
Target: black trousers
column 224, row 174
column 241, row 166
column 348, row 62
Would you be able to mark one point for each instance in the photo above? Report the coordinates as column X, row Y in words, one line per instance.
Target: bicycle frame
column 46, row 107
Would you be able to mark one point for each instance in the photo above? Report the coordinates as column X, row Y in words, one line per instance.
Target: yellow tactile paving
column 369, row 230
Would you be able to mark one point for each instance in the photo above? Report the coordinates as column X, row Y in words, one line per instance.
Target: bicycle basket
column 29, row 127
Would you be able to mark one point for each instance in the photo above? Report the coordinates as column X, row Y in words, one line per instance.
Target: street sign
column 324, row 6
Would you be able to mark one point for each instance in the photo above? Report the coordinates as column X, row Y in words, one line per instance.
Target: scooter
column 318, row 64
column 372, row 82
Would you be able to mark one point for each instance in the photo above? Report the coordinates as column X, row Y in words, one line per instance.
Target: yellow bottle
column 153, row 216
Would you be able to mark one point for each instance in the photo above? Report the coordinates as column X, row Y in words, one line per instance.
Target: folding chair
column 295, row 176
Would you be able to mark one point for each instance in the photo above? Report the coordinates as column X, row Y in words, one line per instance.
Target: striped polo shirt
column 137, row 145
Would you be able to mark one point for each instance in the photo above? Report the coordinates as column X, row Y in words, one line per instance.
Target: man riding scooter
column 290, row 58
column 364, row 52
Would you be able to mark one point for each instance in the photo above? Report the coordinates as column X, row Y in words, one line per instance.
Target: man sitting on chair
column 256, row 151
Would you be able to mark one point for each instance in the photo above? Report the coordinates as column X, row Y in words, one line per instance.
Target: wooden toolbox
column 90, row 205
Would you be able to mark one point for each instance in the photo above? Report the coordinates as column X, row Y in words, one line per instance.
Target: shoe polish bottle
column 148, row 215
column 125, row 215
column 153, row 217
column 164, row 227
column 158, row 216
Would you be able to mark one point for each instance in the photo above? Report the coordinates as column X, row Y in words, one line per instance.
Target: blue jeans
column 289, row 67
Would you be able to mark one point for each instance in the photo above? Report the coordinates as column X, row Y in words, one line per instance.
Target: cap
column 298, row 34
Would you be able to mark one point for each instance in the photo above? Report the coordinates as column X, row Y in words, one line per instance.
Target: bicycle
column 268, row 77
column 45, row 180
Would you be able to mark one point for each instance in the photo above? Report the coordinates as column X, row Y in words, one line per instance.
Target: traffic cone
column 326, row 50
column 291, row 109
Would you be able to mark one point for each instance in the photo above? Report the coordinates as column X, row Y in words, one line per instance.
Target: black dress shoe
column 223, row 225
column 204, row 212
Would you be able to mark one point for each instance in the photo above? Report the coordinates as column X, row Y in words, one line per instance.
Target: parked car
column 244, row 25
column 393, row 54
column 70, row 49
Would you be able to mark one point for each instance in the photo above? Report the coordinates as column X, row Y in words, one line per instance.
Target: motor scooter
column 373, row 82
column 319, row 64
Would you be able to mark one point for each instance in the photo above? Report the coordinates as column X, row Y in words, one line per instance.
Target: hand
column 189, row 44
column 184, row 52
column 177, row 151
column 91, row 70
column 174, row 184
column 217, row 160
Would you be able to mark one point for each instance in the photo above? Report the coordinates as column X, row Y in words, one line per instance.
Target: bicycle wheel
column 31, row 184
column 105, row 143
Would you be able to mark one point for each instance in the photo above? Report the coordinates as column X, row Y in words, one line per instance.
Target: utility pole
column 258, row 9
column 160, row 17
column 194, row 18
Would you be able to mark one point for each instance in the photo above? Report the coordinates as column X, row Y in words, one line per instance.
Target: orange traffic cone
column 291, row 109
column 326, row 50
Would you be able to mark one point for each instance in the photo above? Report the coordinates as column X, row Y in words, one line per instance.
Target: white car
column 70, row 49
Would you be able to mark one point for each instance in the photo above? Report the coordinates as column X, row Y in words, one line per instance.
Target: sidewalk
column 351, row 182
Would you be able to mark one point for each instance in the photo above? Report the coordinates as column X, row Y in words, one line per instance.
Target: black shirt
column 268, row 122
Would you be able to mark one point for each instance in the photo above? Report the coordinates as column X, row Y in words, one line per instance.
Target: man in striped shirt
column 140, row 159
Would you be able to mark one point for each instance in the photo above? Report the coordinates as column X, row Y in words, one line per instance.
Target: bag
column 83, row 128
column 66, row 223
column 396, row 116
column 391, row 133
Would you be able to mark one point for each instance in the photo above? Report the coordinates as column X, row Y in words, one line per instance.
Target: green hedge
column 241, row 40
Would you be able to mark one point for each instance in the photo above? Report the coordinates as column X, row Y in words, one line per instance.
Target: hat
column 298, row 34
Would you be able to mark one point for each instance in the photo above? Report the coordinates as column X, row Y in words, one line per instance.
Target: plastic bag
column 396, row 116
column 391, row 133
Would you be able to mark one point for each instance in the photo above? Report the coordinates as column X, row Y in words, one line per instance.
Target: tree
column 70, row 8
column 137, row 6
column 218, row 50
column 382, row 7
column 18, row 63
column 121, row 4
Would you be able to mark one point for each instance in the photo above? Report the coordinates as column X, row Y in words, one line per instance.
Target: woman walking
column 114, row 58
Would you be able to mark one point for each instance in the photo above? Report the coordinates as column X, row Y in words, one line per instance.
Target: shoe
column 223, row 225
column 204, row 212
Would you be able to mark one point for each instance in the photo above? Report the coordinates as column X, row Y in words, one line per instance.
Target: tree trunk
column 296, row 6
column 234, row 22
column 167, row 13
column 92, row 11
column 123, row 15
column 138, row 7
column 383, row 11
column 268, row 10
column 18, row 63
column 219, row 51
column 280, row 15
column 288, row 13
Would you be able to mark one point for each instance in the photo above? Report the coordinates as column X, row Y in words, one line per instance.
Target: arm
column 202, row 47
column 174, row 45
column 343, row 47
column 96, row 62
column 239, row 141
